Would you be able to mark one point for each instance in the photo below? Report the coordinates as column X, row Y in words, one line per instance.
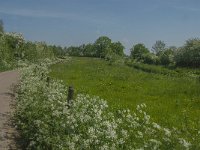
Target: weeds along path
column 7, row 131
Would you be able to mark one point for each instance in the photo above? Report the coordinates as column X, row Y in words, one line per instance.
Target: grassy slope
column 171, row 101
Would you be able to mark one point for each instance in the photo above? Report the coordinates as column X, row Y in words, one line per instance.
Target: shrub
column 14, row 48
column 150, row 58
column 138, row 51
column 167, row 57
column 10, row 49
column 189, row 54
column 114, row 58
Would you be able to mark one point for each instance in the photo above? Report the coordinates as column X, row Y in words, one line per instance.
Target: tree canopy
column 189, row 54
column 102, row 46
column 1, row 26
column 138, row 51
column 158, row 47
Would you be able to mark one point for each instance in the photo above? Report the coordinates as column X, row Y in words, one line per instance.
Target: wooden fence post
column 48, row 81
column 70, row 95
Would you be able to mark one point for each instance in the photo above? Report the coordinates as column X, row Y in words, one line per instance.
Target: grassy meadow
column 171, row 100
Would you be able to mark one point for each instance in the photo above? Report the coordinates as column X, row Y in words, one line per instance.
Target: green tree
column 1, row 26
column 102, row 46
column 138, row 51
column 189, row 54
column 57, row 50
column 118, row 48
column 166, row 57
column 74, row 51
column 30, row 52
column 150, row 58
column 89, row 50
column 159, row 47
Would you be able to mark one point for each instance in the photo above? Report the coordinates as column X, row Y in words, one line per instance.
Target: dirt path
column 7, row 131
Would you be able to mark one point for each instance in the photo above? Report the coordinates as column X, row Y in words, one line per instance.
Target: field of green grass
column 171, row 100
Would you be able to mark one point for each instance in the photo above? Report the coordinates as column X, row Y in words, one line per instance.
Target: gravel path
column 8, row 134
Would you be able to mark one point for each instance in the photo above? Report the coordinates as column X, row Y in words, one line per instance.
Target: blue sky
column 74, row 22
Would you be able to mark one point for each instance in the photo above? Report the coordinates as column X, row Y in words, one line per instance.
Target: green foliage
column 158, row 47
column 114, row 58
column 102, row 46
column 138, row 51
column 189, row 54
column 13, row 49
column 1, row 27
column 74, row 51
column 150, row 58
column 118, row 48
column 57, row 50
column 89, row 50
column 47, row 121
column 166, row 57
column 154, row 69
column 167, row 93
column 10, row 49
column 37, row 51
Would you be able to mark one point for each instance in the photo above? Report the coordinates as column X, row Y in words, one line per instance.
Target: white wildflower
column 155, row 125
column 184, row 143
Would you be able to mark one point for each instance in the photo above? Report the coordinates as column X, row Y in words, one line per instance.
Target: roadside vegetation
column 15, row 51
column 149, row 99
column 48, row 121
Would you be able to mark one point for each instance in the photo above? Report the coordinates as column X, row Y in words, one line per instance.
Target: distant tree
column 81, row 49
column 74, row 51
column 138, row 51
column 173, row 48
column 102, row 46
column 57, row 50
column 1, row 26
column 30, row 52
column 118, row 48
column 89, row 50
column 158, row 47
column 150, row 58
column 189, row 54
column 167, row 57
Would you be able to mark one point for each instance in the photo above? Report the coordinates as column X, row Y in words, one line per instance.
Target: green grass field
column 171, row 101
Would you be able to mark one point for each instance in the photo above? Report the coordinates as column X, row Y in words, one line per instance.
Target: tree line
column 102, row 48
column 187, row 55
column 14, row 47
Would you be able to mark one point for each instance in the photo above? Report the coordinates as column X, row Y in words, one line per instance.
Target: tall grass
column 172, row 100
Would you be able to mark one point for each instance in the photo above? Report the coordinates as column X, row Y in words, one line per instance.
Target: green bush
column 166, row 57
column 189, row 54
column 13, row 48
column 10, row 49
column 138, row 50
column 150, row 58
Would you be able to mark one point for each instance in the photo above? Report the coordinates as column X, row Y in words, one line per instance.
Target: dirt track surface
column 8, row 133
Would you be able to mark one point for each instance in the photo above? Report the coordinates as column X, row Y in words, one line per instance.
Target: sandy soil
column 8, row 134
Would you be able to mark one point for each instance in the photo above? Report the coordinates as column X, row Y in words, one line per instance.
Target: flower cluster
column 47, row 121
